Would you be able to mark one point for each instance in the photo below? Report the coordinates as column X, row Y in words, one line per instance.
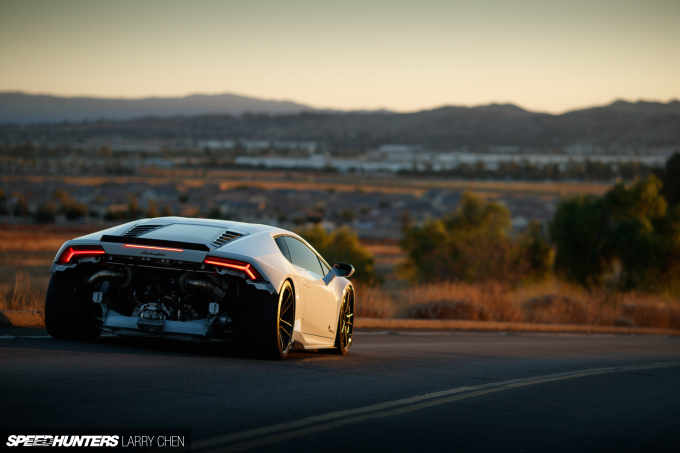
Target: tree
column 347, row 216
column 3, row 200
column 633, row 215
column 166, row 211
column 46, row 213
column 74, row 210
column 576, row 231
column 630, row 228
column 474, row 243
column 133, row 208
column 21, row 207
column 152, row 210
column 670, row 178
column 68, row 206
column 61, row 196
column 537, row 252
column 214, row 213
column 342, row 245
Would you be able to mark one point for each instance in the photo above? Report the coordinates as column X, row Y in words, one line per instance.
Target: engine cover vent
column 140, row 230
column 226, row 237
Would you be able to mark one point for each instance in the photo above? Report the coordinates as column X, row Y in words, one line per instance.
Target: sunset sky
column 402, row 55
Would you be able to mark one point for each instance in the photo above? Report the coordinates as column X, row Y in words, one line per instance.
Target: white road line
column 260, row 437
column 462, row 333
column 10, row 337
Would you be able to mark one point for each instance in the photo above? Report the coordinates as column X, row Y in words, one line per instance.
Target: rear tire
column 268, row 329
column 69, row 314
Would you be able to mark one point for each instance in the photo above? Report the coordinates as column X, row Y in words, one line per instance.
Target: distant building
column 400, row 149
column 216, row 144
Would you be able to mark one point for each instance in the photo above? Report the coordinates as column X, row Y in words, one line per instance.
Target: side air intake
column 140, row 230
column 226, row 237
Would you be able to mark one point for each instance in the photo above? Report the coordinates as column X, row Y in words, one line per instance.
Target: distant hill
column 618, row 127
column 640, row 107
column 31, row 108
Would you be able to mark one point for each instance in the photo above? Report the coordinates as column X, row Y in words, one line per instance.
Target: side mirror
column 343, row 270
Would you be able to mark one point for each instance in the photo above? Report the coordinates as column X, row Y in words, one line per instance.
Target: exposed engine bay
column 162, row 297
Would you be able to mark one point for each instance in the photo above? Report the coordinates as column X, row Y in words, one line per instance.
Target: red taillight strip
column 167, row 249
column 69, row 253
column 245, row 268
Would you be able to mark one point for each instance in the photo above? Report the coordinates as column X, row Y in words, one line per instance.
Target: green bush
column 475, row 243
column 20, row 208
column 342, row 245
column 628, row 238
column 74, row 210
column 46, row 213
column 670, row 178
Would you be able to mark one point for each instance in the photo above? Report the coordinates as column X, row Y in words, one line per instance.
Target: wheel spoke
column 287, row 304
column 349, row 314
column 285, row 327
column 285, row 332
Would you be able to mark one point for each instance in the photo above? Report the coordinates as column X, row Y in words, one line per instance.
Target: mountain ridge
column 618, row 126
column 24, row 108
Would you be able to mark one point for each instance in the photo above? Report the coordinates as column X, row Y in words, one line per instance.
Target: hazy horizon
column 284, row 99
column 402, row 56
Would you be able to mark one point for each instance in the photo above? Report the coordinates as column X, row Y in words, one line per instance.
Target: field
column 26, row 254
column 319, row 181
column 554, row 302
column 25, row 258
column 551, row 302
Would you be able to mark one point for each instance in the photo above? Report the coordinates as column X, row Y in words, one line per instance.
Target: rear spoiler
column 155, row 242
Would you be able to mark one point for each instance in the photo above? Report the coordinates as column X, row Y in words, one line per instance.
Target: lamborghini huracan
column 204, row 280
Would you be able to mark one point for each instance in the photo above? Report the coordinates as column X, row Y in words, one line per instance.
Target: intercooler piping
column 205, row 286
column 123, row 277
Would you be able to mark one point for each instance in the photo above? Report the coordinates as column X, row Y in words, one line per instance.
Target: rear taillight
column 246, row 268
column 79, row 251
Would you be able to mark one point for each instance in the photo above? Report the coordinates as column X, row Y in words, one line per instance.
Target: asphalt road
column 407, row 391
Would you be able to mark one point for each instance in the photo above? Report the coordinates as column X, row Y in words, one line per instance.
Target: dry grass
column 262, row 180
column 373, row 302
column 26, row 254
column 297, row 180
column 554, row 302
column 559, row 302
column 35, row 240
column 21, row 296
column 483, row 302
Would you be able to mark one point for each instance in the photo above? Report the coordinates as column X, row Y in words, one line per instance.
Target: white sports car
column 201, row 279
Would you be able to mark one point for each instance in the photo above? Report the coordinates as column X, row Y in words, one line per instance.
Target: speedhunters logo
column 111, row 440
column 62, row 441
